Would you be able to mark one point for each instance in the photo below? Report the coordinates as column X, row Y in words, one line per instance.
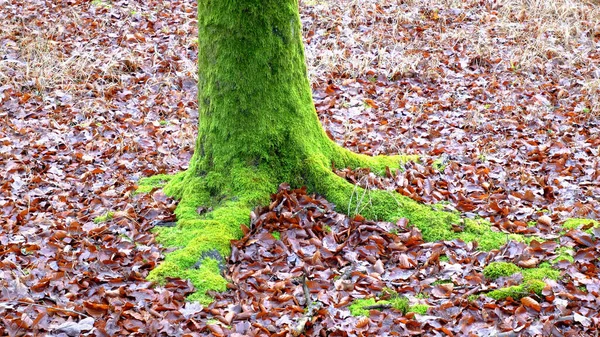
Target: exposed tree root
column 212, row 206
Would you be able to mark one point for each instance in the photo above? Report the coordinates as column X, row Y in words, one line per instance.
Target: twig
column 307, row 299
column 49, row 307
column 565, row 319
column 312, row 307
column 347, row 272
column 471, row 292
column 377, row 307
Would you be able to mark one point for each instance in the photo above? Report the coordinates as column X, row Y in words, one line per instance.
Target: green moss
column 400, row 303
column 435, row 225
column 439, row 164
column 104, row 217
column 258, row 128
column 564, row 253
column 504, row 269
column 147, row 184
column 420, row 309
column 518, row 292
column 575, row 223
column 276, row 235
column 436, row 282
column 441, row 205
column 500, row 269
column 357, row 307
column 472, row 298
column 206, row 277
column 540, row 274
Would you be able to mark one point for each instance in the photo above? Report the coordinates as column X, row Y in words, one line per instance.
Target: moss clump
column 518, row 292
column 540, row 274
column 435, row 225
column 436, row 282
column 504, row 269
column 357, row 308
column 400, row 303
column 276, row 235
column 575, row 223
column 420, row 309
column 439, row 164
column 532, row 279
column 104, row 217
column 564, row 253
column 145, row 185
column 500, row 269
column 206, row 276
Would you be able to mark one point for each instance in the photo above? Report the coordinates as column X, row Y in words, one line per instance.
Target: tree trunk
column 258, row 128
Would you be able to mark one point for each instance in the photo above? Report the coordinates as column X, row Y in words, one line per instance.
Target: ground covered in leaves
column 500, row 98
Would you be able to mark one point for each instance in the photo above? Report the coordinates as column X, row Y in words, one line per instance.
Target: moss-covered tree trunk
column 258, row 128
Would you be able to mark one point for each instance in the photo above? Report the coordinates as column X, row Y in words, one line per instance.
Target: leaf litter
column 502, row 105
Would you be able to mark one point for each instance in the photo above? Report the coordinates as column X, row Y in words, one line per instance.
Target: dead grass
column 557, row 35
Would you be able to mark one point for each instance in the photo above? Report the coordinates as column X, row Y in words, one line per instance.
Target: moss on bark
column 258, row 128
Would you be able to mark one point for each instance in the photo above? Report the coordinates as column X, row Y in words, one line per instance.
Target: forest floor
column 500, row 98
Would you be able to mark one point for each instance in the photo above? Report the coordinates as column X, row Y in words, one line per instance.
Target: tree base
column 212, row 207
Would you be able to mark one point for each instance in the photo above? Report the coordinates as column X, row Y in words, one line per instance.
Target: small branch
column 378, row 307
column 312, row 308
column 347, row 272
column 307, row 299
column 49, row 307
column 475, row 290
column 565, row 319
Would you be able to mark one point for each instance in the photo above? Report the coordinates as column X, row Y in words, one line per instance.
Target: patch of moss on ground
column 206, row 276
column 564, row 253
column 575, row 223
column 500, row 269
column 439, row 165
column 276, row 235
column 436, row 282
column 504, row 269
column 104, row 217
column 357, row 307
column 532, row 278
column 420, row 309
column 518, row 292
column 540, row 274
column 145, row 185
